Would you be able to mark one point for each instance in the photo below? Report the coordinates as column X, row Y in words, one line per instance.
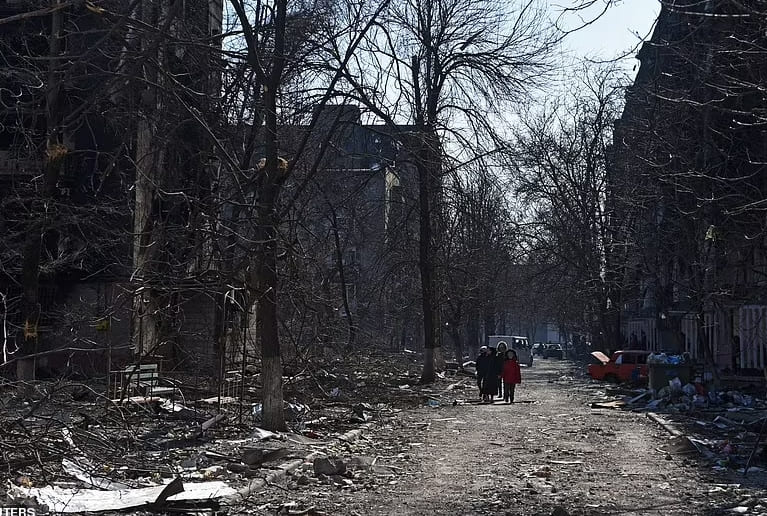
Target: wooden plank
column 141, row 367
column 139, row 400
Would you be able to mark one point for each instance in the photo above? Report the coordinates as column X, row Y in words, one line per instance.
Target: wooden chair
column 231, row 387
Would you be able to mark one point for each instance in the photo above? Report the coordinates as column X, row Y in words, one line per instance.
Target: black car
column 553, row 351
column 538, row 348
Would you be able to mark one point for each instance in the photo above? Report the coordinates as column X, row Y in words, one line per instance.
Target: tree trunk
column 352, row 335
column 272, row 176
column 457, row 343
column 425, row 269
column 145, row 309
column 266, row 315
column 428, row 366
column 502, row 323
column 428, row 165
column 708, row 354
column 266, row 320
column 25, row 367
column 53, row 159
column 273, row 413
column 472, row 332
column 489, row 325
column 149, row 159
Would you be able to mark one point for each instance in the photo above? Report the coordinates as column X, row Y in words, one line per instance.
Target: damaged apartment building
column 81, row 117
column 687, row 189
column 124, row 237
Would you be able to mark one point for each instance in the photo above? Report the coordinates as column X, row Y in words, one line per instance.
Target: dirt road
column 548, row 453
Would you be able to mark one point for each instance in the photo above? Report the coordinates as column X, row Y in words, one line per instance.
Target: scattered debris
column 608, row 404
column 725, row 419
column 210, row 423
column 329, row 466
column 77, row 471
column 263, row 435
column 362, row 413
column 75, row 500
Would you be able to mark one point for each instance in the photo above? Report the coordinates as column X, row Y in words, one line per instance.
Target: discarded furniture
column 145, row 380
column 231, row 385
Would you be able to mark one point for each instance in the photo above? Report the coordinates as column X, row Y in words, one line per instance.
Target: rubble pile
column 71, row 449
column 723, row 427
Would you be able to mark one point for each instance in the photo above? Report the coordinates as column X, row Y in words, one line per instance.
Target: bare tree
column 560, row 157
column 481, row 250
column 284, row 86
column 448, row 69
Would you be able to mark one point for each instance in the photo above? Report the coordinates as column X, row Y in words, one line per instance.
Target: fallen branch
column 756, row 446
column 210, row 423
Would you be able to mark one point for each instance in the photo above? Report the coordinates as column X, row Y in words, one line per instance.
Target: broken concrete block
column 329, row 466
column 279, row 453
column 236, row 467
column 213, row 471
column 252, row 456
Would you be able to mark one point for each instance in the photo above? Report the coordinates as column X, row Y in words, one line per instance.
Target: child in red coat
column 511, row 376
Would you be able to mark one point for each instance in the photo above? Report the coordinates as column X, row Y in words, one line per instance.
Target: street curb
column 282, row 470
column 668, row 426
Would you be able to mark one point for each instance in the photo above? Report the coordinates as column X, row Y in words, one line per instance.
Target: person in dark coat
column 490, row 377
column 500, row 358
column 483, row 364
column 511, row 376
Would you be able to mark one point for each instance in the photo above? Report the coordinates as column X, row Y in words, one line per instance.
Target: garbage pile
column 691, row 397
column 663, row 358
column 725, row 428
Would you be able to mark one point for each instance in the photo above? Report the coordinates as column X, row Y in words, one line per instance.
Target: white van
column 519, row 344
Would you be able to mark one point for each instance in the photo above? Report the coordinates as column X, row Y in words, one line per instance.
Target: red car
column 624, row 366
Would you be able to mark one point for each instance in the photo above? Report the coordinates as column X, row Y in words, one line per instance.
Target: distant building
column 362, row 208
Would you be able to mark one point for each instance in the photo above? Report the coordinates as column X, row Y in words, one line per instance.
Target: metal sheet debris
column 69, row 501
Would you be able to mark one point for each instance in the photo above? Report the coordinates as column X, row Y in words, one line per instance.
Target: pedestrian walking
column 511, row 376
column 490, row 376
column 500, row 358
column 483, row 365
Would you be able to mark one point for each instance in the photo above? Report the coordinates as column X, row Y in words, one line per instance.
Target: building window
column 350, row 257
column 351, row 292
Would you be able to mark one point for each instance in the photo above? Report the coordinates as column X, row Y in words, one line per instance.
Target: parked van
column 519, row 344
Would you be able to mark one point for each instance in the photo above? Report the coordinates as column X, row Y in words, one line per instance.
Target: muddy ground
column 550, row 453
